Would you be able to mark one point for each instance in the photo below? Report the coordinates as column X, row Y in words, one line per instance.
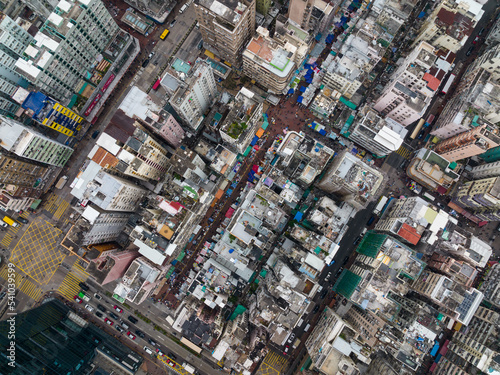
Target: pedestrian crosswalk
column 56, row 205
column 5, row 274
column 60, row 210
column 405, row 151
column 69, row 286
column 9, row 236
column 31, row 289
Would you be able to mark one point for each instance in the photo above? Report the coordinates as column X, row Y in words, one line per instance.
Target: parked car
column 145, row 63
column 108, row 321
column 97, row 296
column 476, row 39
column 114, row 316
column 95, row 134
column 90, row 308
column 173, row 22
column 469, row 51
column 119, row 328
column 440, row 205
column 77, row 300
column 323, row 295
column 131, row 335
column 315, row 310
column 152, row 342
column 132, row 319
column 120, row 310
column 159, row 352
column 101, row 307
column 287, row 349
column 22, row 220
column 83, row 286
column 99, row 314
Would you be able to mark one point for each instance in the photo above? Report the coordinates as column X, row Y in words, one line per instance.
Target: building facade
column 486, row 170
column 66, row 46
column 194, row 96
column 471, row 143
column 32, row 145
column 312, row 15
column 412, row 86
column 226, row 27
column 14, row 39
column 15, row 171
column 104, row 226
column 480, row 196
column 344, row 176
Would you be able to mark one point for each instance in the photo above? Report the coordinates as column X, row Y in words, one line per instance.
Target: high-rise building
column 482, row 197
column 470, row 143
column 30, row 144
column 106, row 191
column 239, row 126
column 486, row 170
column 52, row 339
column 450, row 24
column 103, row 226
column 14, row 39
column 262, row 6
column 454, row 299
column 312, row 15
column 193, row 96
column 269, row 62
column 66, row 46
column 15, row 171
column 226, row 27
column 412, row 86
column 351, row 179
column 377, row 135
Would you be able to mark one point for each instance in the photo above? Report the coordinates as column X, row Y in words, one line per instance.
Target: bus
column 448, row 84
column 156, row 85
column 417, row 128
column 429, row 197
column 164, row 34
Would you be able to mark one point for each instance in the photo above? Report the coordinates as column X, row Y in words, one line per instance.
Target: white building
column 106, row 191
column 486, row 170
column 193, row 94
column 104, row 226
column 32, row 145
column 377, row 135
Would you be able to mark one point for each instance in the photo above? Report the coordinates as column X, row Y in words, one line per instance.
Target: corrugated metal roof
column 347, row 283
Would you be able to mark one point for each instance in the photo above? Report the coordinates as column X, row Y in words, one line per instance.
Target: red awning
column 442, row 190
column 482, row 223
column 230, row 212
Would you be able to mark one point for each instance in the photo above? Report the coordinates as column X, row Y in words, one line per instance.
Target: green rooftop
column 347, row 283
column 371, row 243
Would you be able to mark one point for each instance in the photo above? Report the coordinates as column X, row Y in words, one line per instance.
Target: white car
column 90, row 308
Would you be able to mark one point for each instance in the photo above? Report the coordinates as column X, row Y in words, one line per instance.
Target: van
column 147, row 350
column 183, row 8
column 307, row 328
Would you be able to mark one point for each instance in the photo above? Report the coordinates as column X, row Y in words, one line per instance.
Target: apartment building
column 32, row 145
column 226, row 27
column 19, row 172
column 476, row 102
column 65, row 48
column 14, row 39
column 432, row 171
column 103, row 226
column 269, row 62
column 455, row 301
column 413, row 84
column 106, row 191
column 352, row 180
column 240, row 125
column 450, row 24
column 378, row 135
column 312, row 15
column 485, row 170
column 481, row 197
column 366, row 323
column 470, row 143
column 193, row 95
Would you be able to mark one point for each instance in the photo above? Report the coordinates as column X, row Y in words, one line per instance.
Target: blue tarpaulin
column 299, row 99
column 421, row 15
column 318, row 37
column 322, row 132
column 303, row 89
column 290, row 91
column 298, row 216
column 329, row 39
column 254, row 141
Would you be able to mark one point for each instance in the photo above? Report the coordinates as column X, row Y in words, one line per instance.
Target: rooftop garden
column 236, row 128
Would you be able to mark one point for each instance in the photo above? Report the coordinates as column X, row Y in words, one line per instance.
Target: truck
column 62, row 181
column 10, row 221
column 381, row 203
column 183, row 8
column 82, row 295
column 188, row 368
